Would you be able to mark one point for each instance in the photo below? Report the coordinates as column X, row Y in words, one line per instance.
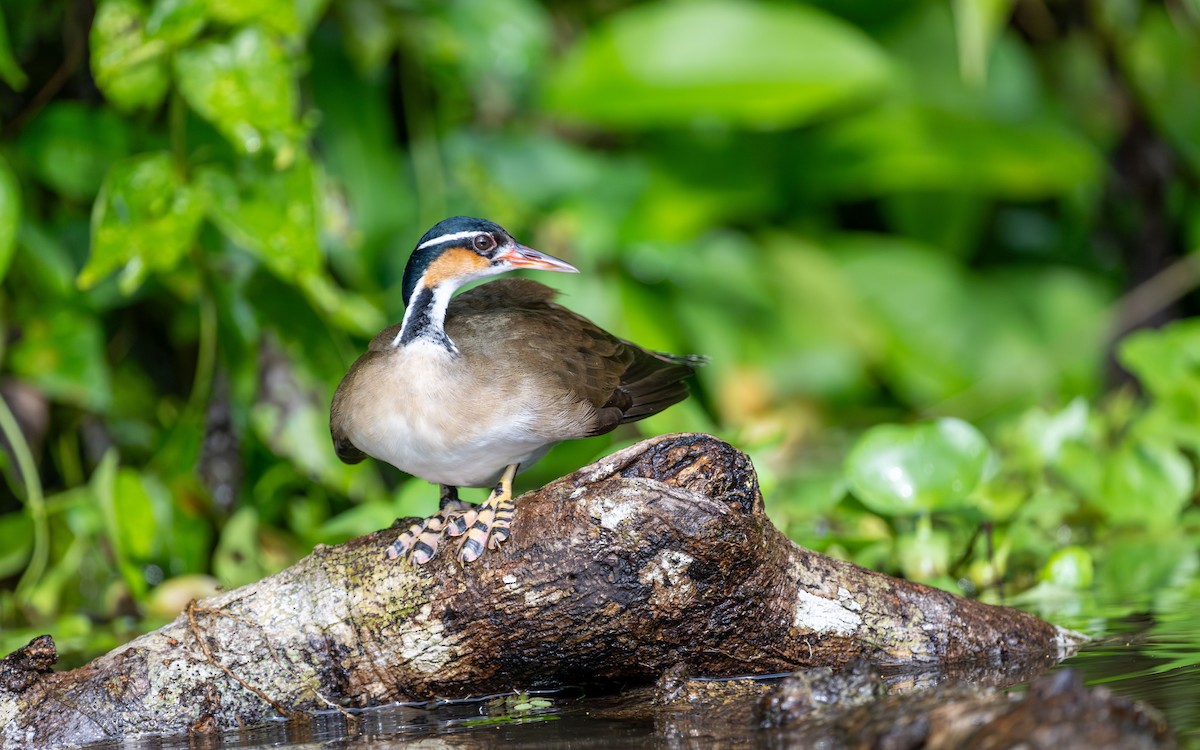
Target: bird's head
column 461, row 249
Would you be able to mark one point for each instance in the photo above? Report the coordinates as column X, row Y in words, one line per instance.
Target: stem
column 35, row 500
column 177, row 125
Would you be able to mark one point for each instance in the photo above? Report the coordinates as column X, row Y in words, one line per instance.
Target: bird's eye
column 484, row 242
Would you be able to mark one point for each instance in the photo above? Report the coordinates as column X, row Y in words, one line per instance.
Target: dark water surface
column 1150, row 658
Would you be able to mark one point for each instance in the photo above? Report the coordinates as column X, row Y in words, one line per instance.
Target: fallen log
column 657, row 556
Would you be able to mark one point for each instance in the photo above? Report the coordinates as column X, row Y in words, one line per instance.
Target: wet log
column 657, row 556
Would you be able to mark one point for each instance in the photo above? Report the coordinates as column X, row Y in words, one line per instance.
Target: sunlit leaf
column 10, row 71
column 144, row 220
column 176, row 22
column 896, row 469
column 1070, row 567
column 271, row 213
column 748, row 63
column 73, row 147
column 10, row 215
column 279, row 14
column 129, row 66
column 244, row 85
column 62, row 352
column 977, row 23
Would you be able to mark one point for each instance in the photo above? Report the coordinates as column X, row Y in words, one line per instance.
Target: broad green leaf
column 73, row 146
column 1135, row 567
column 144, row 220
column 288, row 17
column 244, row 85
column 977, row 23
column 1146, row 483
column 1164, row 58
column 1070, row 567
column 176, row 22
column 140, row 502
column 61, row 351
column 128, row 66
column 16, row 531
column 898, row 469
column 745, row 63
column 10, row 215
column 1167, row 363
column 910, row 148
column 1037, row 436
column 271, row 213
column 10, row 71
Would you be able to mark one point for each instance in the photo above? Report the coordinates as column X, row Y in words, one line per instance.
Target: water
column 1150, row 658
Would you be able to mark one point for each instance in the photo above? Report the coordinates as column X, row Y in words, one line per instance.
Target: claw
column 492, row 520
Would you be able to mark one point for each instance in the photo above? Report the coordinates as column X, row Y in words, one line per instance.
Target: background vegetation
column 911, row 235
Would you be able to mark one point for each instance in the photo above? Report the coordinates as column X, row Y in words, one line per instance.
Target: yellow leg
column 493, row 520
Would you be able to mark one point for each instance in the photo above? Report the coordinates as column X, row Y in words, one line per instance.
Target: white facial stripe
column 450, row 237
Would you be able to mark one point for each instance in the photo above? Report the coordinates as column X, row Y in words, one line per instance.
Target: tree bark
column 657, row 556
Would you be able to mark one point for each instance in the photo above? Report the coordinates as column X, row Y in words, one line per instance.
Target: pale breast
column 419, row 409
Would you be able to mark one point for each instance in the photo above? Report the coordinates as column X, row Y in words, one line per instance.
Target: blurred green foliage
column 864, row 212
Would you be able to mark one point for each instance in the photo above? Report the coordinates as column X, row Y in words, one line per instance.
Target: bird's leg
column 493, row 520
column 462, row 513
column 422, row 538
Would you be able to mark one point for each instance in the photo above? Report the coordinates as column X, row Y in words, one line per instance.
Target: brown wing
column 620, row 380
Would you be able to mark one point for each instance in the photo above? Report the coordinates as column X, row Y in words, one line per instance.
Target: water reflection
column 1155, row 659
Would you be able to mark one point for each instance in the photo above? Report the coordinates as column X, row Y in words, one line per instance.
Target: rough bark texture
column 659, row 555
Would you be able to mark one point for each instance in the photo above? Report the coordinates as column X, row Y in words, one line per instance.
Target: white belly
column 435, row 426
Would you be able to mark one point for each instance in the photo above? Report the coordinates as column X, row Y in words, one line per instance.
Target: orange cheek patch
column 454, row 263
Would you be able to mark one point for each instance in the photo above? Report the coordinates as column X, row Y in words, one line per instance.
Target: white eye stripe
column 450, row 237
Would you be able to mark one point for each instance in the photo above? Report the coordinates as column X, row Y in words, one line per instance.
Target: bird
column 468, row 389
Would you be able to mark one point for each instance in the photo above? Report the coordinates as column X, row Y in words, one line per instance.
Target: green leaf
column 16, row 529
column 145, row 220
column 10, row 72
column 1135, row 567
column 246, row 87
column 924, row 554
column 129, row 66
column 1167, row 363
column 10, row 215
column 73, row 147
column 744, row 63
column 279, row 14
column 912, row 148
column 1146, row 483
column 62, row 352
column 977, row 23
column 1070, row 567
column 176, row 22
column 1164, row 57
column 896, row 470
column 272, row 213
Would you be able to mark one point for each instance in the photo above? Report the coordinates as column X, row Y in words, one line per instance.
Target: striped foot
column 493, row 520
column 421, row 540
